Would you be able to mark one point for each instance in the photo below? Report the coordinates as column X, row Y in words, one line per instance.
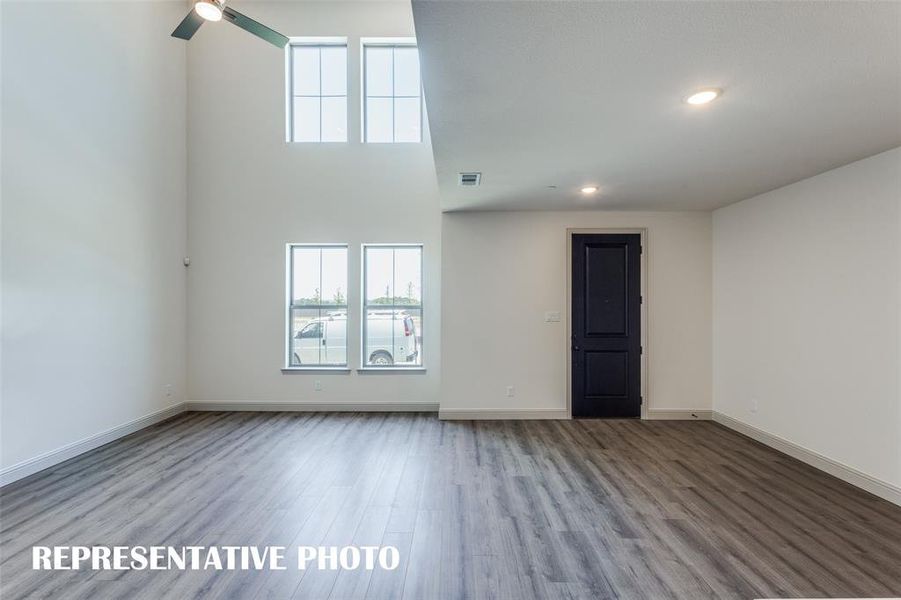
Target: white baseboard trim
column 480, row 414
column 857, row 478
column 54, row 457
column 313, row 406
column 679, row 414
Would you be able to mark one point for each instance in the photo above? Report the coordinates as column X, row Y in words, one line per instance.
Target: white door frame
column 645, row 253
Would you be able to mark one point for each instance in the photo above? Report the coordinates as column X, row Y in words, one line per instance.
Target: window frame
column 364, row 366
column 402, row 42
column 318, row 42
column 290, row 306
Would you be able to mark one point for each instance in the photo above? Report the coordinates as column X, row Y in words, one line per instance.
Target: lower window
column 392, row 305
column 317, row 306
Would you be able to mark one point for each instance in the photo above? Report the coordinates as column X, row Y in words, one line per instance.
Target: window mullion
column 320, row 117
column 365, row 328
column 319, row 312
column 393, row 97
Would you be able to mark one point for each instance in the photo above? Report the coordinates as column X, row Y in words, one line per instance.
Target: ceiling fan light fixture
column 215, row 10
column 211, row 10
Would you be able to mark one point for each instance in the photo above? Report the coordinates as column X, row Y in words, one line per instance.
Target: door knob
column 576, row 348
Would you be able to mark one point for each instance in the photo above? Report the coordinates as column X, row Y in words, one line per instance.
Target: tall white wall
column 503, row 270
column 251, row 193
column 93, row 219
column 807, row 310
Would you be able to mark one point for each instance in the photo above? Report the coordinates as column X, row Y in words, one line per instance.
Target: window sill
column 392, row 370
column 287, row 370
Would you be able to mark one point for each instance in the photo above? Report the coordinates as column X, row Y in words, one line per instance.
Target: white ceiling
column 535, row 94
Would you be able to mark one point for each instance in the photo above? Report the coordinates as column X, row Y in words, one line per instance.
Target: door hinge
column 641, row 349
column 641, row 299
column 641, row 249
column 641, row 400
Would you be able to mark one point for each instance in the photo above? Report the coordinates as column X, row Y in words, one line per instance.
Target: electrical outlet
column 317, row 385
column 510, row 391
column 167, row 389
column 755, row 406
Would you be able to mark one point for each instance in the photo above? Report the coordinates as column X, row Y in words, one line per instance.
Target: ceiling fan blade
column 256, row 28
column 189, row 26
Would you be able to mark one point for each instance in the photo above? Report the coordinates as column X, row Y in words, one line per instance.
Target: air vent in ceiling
column 470, row 179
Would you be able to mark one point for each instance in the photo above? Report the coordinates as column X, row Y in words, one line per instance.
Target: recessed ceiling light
column 704, row 96
column 589, row 189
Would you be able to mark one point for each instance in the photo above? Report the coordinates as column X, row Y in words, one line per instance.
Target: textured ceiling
column 537, row 94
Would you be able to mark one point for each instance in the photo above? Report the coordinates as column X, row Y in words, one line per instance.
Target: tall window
column 392, row 94
column 317, row 306
column 317, row 106
column 392, row 305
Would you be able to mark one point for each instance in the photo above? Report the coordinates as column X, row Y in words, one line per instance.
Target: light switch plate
column 552, row 316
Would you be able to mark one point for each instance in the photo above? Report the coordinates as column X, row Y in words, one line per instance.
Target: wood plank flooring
column 491, row 509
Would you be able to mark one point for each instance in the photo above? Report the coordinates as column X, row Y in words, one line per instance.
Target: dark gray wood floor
column 512, row 510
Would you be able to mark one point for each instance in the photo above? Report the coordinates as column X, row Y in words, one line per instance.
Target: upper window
column 317, row 86
column 392, row 305
column 392, row 105
column 317, row 306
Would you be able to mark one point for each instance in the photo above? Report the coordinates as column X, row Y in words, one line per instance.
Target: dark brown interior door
column 606, row 325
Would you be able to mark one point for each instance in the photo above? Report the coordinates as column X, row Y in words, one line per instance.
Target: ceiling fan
column 215, row 10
